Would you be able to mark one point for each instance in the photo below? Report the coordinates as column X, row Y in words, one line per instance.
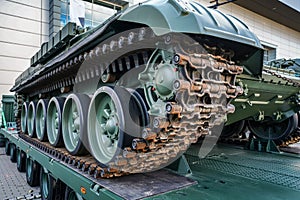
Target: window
column 269, row 53
column 94, row 14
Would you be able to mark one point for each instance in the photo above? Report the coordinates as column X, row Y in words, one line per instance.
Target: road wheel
column 24, row 113
column 74, row 123
column 112, row 123
column 54, row 113
column 31, row 119
column 273, row 130
column 41, row 119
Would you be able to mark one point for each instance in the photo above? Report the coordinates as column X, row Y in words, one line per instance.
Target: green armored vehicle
column 132, row 94
column 269, row 104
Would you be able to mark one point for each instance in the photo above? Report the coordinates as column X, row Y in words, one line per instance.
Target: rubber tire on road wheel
column 55, row 107
column 2, row 143
column 41, row 120
column 32, row 172
column 71, row 194
column 31, row 119
column 13, row 153
column 21, row 160
column 7, row 147
column 79, row 104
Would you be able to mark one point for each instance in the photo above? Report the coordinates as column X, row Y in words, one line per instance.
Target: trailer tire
column 32, row 172
column 21, row 160
column 13, row 156
column 59, row 189
column 72, row 195
column 47, row 183
column 2, row 143
column 2, row 140
column 7, row 147
column 49, row 187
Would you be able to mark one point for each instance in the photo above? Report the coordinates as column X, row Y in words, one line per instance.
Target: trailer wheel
column 21, row 160
column 74, row 126
column 45, row 184
column 72, row 195
column 49, row 187
column 7, row 147
column 32, row 172
column 13, row 156
column 2, row 141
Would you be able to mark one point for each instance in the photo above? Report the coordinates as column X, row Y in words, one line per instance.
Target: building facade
column 29, row 23
column 24, row 26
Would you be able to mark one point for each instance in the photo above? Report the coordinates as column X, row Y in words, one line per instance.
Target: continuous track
column 205, row 85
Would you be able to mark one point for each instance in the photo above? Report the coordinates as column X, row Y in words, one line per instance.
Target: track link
column 205, row 85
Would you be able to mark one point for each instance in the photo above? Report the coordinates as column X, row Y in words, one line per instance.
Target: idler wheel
column 273, row 130
column 74, row 123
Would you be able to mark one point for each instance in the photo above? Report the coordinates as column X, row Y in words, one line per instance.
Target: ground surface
column 229, row 173
column 13, row 184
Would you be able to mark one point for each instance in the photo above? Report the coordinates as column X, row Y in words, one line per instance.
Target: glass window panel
column 63, row 20
column 87, row 23
column 95, row 24
column 63, row 8
column 88, row 5
column 88, row 14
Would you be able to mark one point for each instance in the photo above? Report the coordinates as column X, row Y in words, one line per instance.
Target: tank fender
column 183, row 16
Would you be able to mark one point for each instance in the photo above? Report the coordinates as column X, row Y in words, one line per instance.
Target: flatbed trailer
column 135, row 186
column 228, row 172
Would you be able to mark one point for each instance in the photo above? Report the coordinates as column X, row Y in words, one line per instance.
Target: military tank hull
column 268, row 106
column 131, row 95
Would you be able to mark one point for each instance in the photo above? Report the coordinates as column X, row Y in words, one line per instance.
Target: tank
column 269, row 105
column 132, row 94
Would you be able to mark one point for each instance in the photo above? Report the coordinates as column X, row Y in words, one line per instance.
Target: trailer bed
column 228, row 172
